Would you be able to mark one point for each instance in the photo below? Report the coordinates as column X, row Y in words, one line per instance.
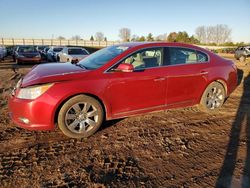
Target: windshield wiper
column 80, row 65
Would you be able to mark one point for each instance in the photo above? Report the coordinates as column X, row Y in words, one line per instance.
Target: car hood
column 52, row 72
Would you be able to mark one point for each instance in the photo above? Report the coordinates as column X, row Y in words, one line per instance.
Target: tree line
column 208, row 35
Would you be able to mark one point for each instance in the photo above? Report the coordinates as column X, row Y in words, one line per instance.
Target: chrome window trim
column 138, row 70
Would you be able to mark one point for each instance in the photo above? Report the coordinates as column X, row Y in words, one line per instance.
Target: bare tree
column 99, row 36
column 218, row 34
column 124, row 34
column 135, row 38
column 162, row 37
column 210, row 35
column 200, row 33
column 61, row 38
column 223, row 33
column 76, row 37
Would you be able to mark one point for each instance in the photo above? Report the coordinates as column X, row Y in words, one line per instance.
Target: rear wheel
column 213, row 97
column 80, row 117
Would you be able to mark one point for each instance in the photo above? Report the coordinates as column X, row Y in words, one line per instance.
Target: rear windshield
column 25, row 49
column 77, row 51
column 57, row 49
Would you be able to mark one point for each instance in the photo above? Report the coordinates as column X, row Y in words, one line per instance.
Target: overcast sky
column 53, row 18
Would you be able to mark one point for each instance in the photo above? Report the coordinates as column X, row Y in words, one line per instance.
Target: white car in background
column 3, row 52
column 72, row 54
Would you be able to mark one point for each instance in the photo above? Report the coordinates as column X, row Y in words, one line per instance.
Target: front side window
column 147, row 58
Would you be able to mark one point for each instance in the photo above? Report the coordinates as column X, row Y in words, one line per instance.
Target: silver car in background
column 72, row 54
column 52, row 53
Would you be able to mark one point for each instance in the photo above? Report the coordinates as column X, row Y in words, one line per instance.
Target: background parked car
column 72, row 54
column 242, row 52
column 43, row 53
column 27, row 54
column 52, row 53
column 3, row 52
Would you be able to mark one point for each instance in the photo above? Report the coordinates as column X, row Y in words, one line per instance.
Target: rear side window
column 177, row 55
column 202, row 57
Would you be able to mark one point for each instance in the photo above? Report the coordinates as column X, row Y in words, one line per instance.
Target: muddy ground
column 174, row 148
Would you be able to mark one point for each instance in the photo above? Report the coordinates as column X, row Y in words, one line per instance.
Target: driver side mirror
column 124, row 67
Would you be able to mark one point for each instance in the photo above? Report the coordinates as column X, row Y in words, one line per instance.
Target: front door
column 142, row 89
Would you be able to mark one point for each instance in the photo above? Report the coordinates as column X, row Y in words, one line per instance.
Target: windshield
column 27, row 49
column 77, row 51
column 101, row 57
column 57, row 49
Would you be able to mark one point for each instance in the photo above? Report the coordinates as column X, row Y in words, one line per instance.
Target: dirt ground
column 174, row 148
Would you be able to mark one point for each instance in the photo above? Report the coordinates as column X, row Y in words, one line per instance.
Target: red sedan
column 120, row 81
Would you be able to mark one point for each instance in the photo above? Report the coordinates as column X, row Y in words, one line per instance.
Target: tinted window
column 178, row 55
column 77, row 51
column 102, row 56
column 202, row 57
column 182, row 56
column 146, row 58
column 57, row 49
column 27, row 49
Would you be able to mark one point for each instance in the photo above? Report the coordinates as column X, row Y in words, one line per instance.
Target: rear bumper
column 31, row 60
column 39, row 113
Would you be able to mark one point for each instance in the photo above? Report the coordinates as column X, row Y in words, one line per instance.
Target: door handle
column 159, row 79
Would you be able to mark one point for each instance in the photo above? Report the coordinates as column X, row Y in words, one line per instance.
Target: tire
column 213, row 97
column 242, row 59
column 73, row 118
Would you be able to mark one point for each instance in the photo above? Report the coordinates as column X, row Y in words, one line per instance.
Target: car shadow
column 109, row 123
column 242, row 120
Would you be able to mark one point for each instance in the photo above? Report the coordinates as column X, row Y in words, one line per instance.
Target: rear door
column 187, row 75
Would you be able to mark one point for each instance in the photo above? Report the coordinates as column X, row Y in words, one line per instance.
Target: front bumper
column 39, row 112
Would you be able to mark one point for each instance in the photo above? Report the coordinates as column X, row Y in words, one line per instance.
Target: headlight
column 33, row 92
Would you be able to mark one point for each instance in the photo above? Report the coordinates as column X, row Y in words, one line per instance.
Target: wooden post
column 60, row 42
column 13, row 42
column 23, row 41
column 33, row 42
column 2, row 42
column 42, row 42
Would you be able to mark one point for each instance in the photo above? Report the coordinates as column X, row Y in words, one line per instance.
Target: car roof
column 149, row 44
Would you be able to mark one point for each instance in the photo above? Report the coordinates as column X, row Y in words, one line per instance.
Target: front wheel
column 213, row 97
column 80, row 116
